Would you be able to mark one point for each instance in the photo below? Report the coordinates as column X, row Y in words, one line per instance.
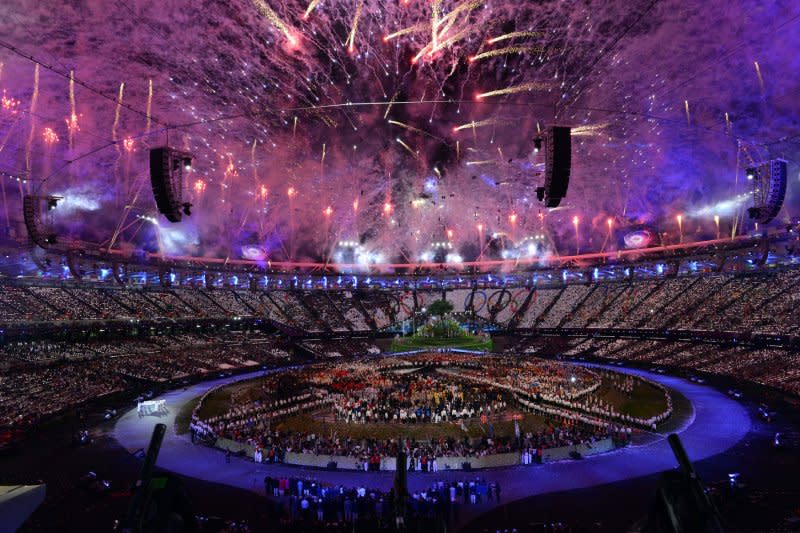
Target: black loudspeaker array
column 31, row 212
column 558, row 162
column 166, row 177
column 768, row 189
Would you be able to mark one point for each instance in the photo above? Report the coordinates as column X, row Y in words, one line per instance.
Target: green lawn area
column 307, row 423
column 646, row 400
column 217, row 403
column 417, row 343
column 184, row 416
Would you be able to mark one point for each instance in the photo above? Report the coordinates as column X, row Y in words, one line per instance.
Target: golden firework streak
column 352, row 38
column 514, row 35
column 310, row 8
column 532, row 86
column 149, row 103
column 405, row 31
column 410, row 128
column 34, row 99
column 507, row 50
column 116, row 112
column 72, row 113
column 280, row 25
column 469, row 6
column 476, row 124
column 407, row 147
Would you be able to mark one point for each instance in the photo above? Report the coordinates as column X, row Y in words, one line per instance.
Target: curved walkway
column 718, row 423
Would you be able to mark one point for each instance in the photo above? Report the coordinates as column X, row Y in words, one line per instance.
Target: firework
column 404, row 145
column 352, row 37
column 588, row 130
column 760, row 77
column 116, row 111
column 310, row 8
column 280, row 25
column 478, row 163
column 449, row 41
column 466, row 6
column 436, row 10
column 50, row 136
column 533, row 86
column 34, row 99
column 516, row 34
column 417, row 28
column 149, row 104
column 506, row 51
column 72, row 121
column 10, row 105
column 411, row 128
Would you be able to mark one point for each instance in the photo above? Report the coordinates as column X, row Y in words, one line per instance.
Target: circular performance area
column 311, row 424
column 446, row 411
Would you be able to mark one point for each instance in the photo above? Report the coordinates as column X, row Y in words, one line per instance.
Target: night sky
column 396, row 124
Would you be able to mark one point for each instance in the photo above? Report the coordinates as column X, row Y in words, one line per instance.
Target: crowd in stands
column 774, row 367
column 45, row 377
column 343, row 347
column 763, row 302
column 760, row 302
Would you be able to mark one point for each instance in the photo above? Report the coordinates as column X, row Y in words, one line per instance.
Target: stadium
column 399, row 265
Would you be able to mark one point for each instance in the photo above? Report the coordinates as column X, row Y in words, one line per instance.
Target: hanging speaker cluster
column 768, row 189
column 32, row 213
column 558, row 162
column 167, row 169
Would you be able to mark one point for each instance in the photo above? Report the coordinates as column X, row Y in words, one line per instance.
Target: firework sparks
column 515, row 35
column 466, row 6
column 149, row 104
column 525, row 87
column 760, row 77
column 280, row 25
column 34, row 99
column 476, row 124
column 116, row 111
column 351, row 39
column 411, row 128
column 311, row 6
column 417, row 28
column 72, row 121
column 10, row 105
column 506, row 51
column 50, row 136
column 589, row 130
column 407, row 147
